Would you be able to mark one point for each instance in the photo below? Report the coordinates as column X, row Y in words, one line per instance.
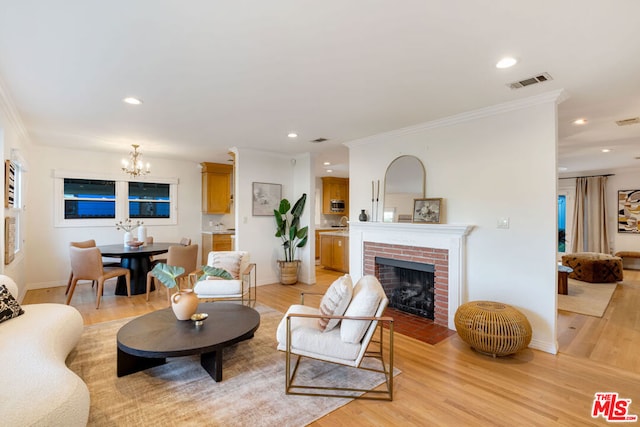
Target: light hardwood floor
column 450, row 384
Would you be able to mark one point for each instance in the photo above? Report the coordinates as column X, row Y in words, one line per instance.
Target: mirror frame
column 386, row 178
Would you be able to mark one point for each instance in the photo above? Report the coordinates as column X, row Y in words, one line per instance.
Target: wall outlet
column 503, row 222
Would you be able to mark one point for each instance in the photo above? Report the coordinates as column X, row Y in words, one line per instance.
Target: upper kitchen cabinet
column 216, row 188
column 335, row 195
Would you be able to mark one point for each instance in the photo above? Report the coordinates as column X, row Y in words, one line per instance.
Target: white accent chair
column 242, row 288
column 300, row 334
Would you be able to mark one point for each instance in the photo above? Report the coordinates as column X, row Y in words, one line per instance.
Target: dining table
column 137, row 260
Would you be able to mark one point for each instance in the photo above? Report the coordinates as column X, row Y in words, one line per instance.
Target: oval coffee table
column 148, row 340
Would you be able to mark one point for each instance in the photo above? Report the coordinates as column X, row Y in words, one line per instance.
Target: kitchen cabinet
column 216, row 188
column 215, row 242
column 334, row 251
column 335, row 189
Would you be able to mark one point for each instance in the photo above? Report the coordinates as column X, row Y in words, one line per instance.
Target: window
column 88, row 200
column 149, row 200
column 562, row 223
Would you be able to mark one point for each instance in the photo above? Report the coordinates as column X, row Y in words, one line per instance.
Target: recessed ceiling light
column 131, row 100
column 606, row 150
column 562, row 169
column 329, row 170
column 580, row 122
column 292, row 135
column 506, row 62
column 326, row 163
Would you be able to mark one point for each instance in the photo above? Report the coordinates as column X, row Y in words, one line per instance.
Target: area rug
column 181, row 393
column 591, row 299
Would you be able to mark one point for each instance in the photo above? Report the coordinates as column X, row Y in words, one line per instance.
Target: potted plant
column 184, row 302
column 293, row 237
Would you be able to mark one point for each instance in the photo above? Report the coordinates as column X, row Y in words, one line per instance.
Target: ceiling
column 245, row 73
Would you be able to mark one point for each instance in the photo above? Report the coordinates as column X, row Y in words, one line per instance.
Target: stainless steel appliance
column 337, row 205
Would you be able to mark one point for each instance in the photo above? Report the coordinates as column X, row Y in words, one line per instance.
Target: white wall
column 13, row 137
column 493, row 163
column 48, row 246
column 256, row 234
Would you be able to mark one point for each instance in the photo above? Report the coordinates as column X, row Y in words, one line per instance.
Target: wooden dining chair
column 86, row 264
column 179, row 256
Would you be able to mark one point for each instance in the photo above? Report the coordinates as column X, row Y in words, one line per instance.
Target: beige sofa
column 38, row 389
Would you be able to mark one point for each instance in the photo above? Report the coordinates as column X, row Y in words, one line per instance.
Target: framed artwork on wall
column 629, row 211
column 9, row 239
column 9, row 184
column 266, row 198
column 427, row 211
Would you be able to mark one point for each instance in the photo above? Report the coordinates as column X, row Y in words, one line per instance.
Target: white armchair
column 243, row 285
column 340, row 331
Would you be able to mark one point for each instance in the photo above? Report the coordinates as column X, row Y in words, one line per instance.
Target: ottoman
column 493, row 328
column 593, row 267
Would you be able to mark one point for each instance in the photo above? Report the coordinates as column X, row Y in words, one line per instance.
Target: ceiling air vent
column 627, row 122
column 317, row 140
column 540, row 78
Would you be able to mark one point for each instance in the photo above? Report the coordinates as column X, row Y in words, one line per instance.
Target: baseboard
column 546, row 346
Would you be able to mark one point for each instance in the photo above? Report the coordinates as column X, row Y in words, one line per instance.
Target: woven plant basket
column 492, row 328
column 289, row 272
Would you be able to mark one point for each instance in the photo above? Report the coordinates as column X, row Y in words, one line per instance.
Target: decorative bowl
column 198, row 318
column 135, row 243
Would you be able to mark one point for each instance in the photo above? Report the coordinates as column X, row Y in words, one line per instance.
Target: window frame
column 122, row 199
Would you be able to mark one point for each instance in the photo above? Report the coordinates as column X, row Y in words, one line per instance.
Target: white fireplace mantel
column 451, row 237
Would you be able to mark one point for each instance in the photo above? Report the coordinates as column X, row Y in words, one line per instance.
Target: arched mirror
column 404, row 181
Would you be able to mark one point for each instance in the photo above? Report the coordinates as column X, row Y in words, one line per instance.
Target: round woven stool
column 492, row 327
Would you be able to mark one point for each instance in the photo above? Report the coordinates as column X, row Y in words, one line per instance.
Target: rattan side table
column 492, row 328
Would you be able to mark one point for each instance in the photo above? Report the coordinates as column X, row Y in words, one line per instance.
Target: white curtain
column 590, row 216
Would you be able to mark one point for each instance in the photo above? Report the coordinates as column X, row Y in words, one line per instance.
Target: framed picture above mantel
column 427, row 211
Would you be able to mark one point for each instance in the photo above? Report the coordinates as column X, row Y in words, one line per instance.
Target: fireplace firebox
column 408, row 285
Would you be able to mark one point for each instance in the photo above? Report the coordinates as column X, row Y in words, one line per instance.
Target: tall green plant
column 288, row 226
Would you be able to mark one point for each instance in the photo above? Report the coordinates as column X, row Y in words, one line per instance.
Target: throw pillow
column 229, row 261
column 367, row 295
column 9, row 307
column 334, row 302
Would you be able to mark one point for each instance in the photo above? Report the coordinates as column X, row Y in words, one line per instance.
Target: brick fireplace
column 440, row 245
column 431, row 256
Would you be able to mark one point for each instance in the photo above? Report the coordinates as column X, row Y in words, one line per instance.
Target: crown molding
column 556, row 96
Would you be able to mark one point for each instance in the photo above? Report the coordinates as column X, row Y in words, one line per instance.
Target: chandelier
column 134, row 166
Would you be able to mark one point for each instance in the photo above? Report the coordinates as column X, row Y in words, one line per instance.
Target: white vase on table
column 142, row 234
column 127, row 237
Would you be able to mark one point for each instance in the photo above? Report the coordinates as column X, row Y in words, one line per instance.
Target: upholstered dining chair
column 341, row 331
column 84, row 244
column 86, row 264
column 241, row 288
column 178, row 256
column 87, row 244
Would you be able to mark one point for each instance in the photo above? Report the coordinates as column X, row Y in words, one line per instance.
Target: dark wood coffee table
column 148, row 340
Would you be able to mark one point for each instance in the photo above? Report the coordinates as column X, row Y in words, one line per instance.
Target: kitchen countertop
column 218, row 232
column 339, row 233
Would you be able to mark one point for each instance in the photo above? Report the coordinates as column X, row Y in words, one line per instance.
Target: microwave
column 337, row 205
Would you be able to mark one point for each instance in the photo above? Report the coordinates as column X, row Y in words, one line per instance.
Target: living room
column 488, row 161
